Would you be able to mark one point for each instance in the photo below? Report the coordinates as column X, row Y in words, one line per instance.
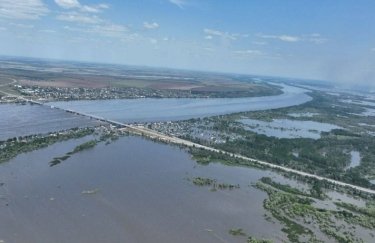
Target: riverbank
column 286, row 137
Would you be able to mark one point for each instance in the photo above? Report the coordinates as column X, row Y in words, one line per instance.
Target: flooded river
column 21, row 120
column 152, row 110
column 143, row 194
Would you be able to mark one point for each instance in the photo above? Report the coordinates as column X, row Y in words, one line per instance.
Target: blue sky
column 319, row 39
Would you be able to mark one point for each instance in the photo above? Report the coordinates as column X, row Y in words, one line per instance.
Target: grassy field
column 328, row 155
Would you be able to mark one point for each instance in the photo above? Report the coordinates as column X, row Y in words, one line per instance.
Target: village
column 66, row 94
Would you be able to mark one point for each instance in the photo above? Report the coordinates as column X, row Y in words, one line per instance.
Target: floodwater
column 369, row 112
column 284, row 128
column 360, row 102
column 21, row 120
column 355, row 159
column 152, row 110
column 303, row 114
column 143, row 195
column 365, row 104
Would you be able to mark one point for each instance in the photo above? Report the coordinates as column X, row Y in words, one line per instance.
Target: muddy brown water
column 142, row 195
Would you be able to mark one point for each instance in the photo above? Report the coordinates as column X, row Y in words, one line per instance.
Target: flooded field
column 136, row 197
column 355, row 159
column 284, row 128
column 21, row 120
column 360, row 102
column 304, row 114
column 152, row 110
column 368, row 112
column 367, row 105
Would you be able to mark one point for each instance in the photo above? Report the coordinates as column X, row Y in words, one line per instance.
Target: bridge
column 143, row 131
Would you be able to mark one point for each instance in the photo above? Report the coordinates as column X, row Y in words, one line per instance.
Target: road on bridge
column 141, row 130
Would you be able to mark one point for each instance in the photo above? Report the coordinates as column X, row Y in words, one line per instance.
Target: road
column 170, row 139
column 156, row 135
column 14, row 81
column 20, row 97
column 9, row 94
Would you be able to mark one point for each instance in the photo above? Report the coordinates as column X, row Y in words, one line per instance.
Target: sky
column 314, row 39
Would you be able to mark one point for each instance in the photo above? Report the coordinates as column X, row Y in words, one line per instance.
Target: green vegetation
column 14, row 146
column 255, row 240
column 287, row 188
column 369, row 210
column 302, row 219
column 317, row 186
column 109, row 137
column 203, row 156
column 328, row 156
column 250, row 239
column 79, row 148
column 58, row 160
column 84, row 146
column 236, row 232
column 201, row 181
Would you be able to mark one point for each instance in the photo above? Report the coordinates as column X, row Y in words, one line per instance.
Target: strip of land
column 141, row 130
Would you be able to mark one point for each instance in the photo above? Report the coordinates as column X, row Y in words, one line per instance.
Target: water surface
column 21, row 120
column 144, row 195
column 355, row 159
column 152, row 110
column 284, row 128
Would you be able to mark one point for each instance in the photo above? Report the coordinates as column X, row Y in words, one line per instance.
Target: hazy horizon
column 316, row 40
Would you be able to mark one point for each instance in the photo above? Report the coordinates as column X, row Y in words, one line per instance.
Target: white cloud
column 225, row 35
column 89, row 23
column 179, row 3
column 131, row 37
column 22, row 9
column 153, row 41
column 109, row 30
column 67, row 27
column 23, row 26
column 314, row 38
column 208, row 37
column 260, row 43
column 212, row 32
column 75, row 4
column 249, row 52
column 103, row 30
column 252, row 53
column 48, row 31
column 83, row 16
column 148, row 25
column 289, row 38
column 68, row 3
column 79, row 18
column 94, row 8
column 286, row 38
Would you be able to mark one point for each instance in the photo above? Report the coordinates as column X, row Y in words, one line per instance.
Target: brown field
column 176, row 86
column 76, row 75
column 64, row 83
column 62, row 80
